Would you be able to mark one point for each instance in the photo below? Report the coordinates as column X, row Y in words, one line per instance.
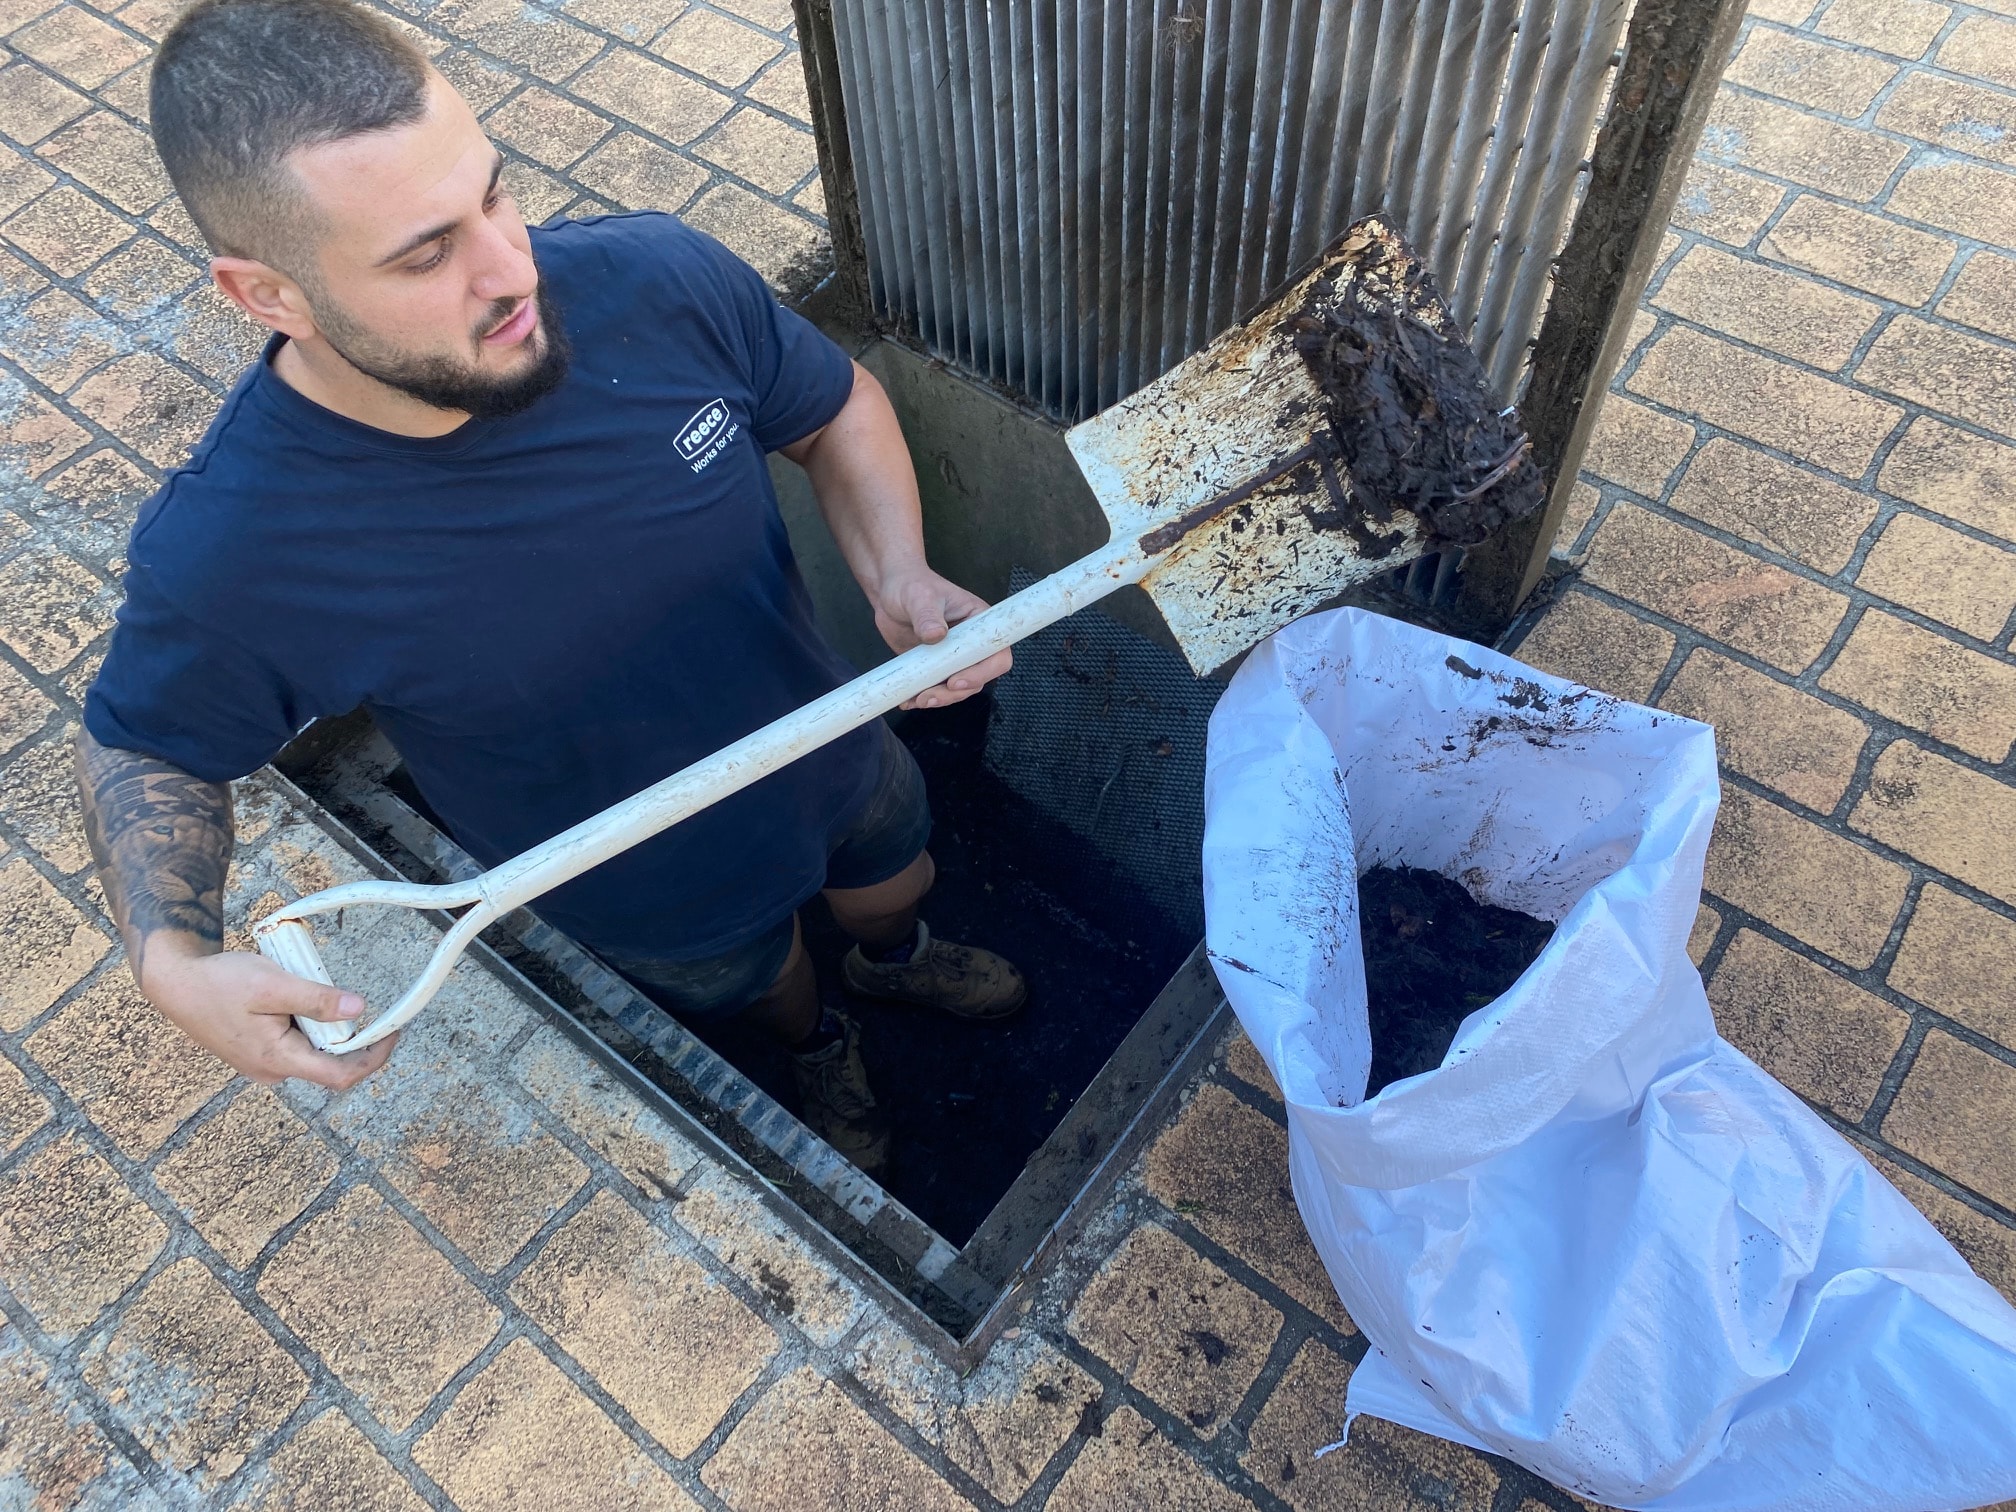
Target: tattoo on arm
column 162, row 841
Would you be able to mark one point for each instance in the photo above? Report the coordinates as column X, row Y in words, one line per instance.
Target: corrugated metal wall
column 1069, row 198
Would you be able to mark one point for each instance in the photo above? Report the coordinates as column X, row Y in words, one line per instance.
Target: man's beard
column 446, row 384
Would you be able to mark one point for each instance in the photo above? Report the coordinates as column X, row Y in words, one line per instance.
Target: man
column 507, row 490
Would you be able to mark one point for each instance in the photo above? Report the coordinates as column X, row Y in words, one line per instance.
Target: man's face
column 425, row 279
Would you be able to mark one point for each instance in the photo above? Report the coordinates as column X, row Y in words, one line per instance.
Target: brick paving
column 490, row 1278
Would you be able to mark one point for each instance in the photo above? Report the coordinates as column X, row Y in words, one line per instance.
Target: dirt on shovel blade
column 1418, row 424
column 1433, row 956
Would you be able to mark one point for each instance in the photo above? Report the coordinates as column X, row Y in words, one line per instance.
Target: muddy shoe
column 836, row 1103
column 964, row 982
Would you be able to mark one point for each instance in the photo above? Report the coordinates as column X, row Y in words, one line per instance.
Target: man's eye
column 440, row 256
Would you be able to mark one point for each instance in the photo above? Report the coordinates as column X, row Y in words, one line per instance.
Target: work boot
column 836, row 1102
column 964, row 982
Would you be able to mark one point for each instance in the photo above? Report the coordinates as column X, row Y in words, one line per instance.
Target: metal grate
column 1103, row 730
column 1072, row 197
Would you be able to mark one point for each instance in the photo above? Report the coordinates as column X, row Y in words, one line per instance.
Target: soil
column 1418, row 424
column 1433, row 956
column 971, row 1103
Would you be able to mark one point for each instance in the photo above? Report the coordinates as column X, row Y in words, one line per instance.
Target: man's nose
column 504, row 270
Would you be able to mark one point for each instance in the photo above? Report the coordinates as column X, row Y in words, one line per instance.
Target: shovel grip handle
column 290, row 945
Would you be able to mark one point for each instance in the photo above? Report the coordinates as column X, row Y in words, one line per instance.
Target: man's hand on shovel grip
column 162, row 841
column 241, row 1008
column 920, row 609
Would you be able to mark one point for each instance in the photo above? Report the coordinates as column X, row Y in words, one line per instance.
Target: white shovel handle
column 286, row 940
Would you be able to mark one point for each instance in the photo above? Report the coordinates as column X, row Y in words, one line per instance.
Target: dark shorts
column 869, row 845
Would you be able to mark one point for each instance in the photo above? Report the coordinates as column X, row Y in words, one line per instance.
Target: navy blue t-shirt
column 544, row 614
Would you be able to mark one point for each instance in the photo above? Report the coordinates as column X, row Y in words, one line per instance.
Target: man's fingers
column 979, row 676
column 300, row 998
column 296, row 1057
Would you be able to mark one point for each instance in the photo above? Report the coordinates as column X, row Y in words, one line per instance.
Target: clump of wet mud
column 1433, row 956
column 1408, row 399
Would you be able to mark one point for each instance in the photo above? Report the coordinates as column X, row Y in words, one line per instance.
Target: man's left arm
column 861, row 475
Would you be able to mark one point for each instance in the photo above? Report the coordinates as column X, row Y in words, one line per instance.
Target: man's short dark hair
column 240, row 84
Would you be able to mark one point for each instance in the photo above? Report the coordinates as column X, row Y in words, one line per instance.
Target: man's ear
column 265, row 293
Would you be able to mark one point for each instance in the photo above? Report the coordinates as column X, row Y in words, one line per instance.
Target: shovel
column 1231, row 502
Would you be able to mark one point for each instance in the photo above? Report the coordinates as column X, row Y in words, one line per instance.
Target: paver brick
column 74, row 43
column 1986, row 1245
column 382, row 1307
column 20, row 180
column 1952, row 1095
column 1953, row 819
column 1637, row 446
column 54, row 1458
column 88, row 508
column 1787, row 143
column 133, row 1074
column 1771, row 733
column 15, row 14
column 194, row 1377
column 34, row 435
column 1928, row 682
column 1766, row 400
column 245, row 1174
column 1384, row 1468
column 1245, row 1063
column 546, row 127
column 151, row 18
column 534, row 38
column 640, row 173
column 46, row 945
column 1176, row 1326
column 1707, row 924
column 112, row 158
column 1727, row 595
column 1003, row 1423
column 769, row 153
column 540, row 196
column 1948, row 113
column 1943, row 574
column 32, row 104
column 23, row 709
column 1902, row 28
column 1866, row 251
column 1984, row 295
column 38, row 794
column 1984, row 47
column 1130, row 1467
column 1811, row 883
column 1960, row 958
column 1224, row 1167
column 1957, row 195
column 50, row 608
column 1725, row 203
column 1946, row 370
column 466, row 1154
column 751, row 1241
column 1751, row 494
column 1951, row 472
column 710, row 44
column 329, row 1466
column 787, row 250
column 77, row 1237
column 1583, row 501
column 215, row 336
column 65, row 230
column 632, row 20
column 773, row 15
column 646, row 93
column 23, row 1110
column 157, row 410
column 522, row 1435
column 141, row 279
column 805, row 1444
column 1839, row 80
column 1818, row 1033
column 127, row 94
column 782, row 88
column 644, row 1149
column 1588, row 641
column 671, row 1344
column 57, row 339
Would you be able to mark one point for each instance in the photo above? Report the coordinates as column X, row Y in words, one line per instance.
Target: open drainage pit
column 1067, row 811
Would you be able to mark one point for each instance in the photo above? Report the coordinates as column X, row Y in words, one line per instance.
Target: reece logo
column 704, row 429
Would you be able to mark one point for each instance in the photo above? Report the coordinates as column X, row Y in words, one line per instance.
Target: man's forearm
column 162, row 841
column 867, row 490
